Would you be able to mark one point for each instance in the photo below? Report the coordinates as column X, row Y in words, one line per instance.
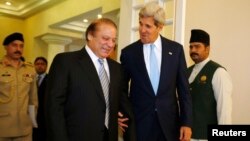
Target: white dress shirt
column 94, row 59
column 41, row 78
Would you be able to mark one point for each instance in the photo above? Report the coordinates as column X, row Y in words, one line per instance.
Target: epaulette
column 1, row 61
column 28, row 64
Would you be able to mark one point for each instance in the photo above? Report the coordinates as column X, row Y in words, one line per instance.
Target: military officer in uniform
column 18, row 92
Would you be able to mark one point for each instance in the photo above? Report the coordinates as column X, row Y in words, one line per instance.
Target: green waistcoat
column 204, row 103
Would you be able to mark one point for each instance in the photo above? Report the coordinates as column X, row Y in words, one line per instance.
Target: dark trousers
column 39, row 134
column 156, row 133
column 106, row 134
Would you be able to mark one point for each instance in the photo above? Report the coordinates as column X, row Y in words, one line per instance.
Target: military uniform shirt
column 18, row 90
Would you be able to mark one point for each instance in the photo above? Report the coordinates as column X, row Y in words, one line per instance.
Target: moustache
column 192, row 54
column 18, row 52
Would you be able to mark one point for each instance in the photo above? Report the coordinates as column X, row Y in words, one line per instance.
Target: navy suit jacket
column 39, row 134
column 172, row 102
column 75, row 104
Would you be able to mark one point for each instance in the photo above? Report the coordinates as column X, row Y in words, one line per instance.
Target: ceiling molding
column 25, row 8
column 76, row 23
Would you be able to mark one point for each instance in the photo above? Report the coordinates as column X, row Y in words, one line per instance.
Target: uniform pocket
column 5, row 87
column 4, row 114
column 5, row 79
column 28, row 78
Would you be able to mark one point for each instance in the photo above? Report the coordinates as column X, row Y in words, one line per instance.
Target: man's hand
column 121, row 122
column 185, row 133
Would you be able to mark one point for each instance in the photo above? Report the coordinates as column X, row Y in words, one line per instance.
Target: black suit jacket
column 75, row 106
column 39, row 134
column 173, row 78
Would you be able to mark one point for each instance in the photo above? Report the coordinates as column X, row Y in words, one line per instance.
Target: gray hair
column 152, row 9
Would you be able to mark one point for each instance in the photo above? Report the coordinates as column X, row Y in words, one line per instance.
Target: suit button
column 103, row 130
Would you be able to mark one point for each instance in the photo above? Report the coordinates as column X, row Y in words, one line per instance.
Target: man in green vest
column 210, row 87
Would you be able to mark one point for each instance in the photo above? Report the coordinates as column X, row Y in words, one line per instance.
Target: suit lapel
column 113, row 78
column 43, row 81
column 165, row 63
column 141, row 67
column 90, row 71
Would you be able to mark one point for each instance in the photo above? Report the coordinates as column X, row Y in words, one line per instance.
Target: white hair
column 152, row 9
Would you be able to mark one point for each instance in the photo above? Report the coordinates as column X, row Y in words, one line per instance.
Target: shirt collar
column 202, row 63
column 93, row 57
column 157, row 43
column 41, row 75
column 5, row 61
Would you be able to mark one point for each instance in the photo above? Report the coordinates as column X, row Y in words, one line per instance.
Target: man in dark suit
column 79, row 105
column 40, row 63
column 161, row 114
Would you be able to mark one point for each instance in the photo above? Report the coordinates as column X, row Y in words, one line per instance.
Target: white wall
column 227, row 22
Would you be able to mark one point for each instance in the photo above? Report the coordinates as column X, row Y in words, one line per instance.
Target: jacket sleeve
column 55, row 99
column 126, row 109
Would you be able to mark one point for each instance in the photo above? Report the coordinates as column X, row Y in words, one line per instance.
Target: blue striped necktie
column 105, row 88
column 154, row 71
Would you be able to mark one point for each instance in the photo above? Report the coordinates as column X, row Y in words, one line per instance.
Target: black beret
column 12, row 37
column 198, row 35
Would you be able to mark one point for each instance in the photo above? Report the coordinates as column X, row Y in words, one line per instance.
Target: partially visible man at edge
column 210, row 87
column 18, row 92
column 40, row 63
